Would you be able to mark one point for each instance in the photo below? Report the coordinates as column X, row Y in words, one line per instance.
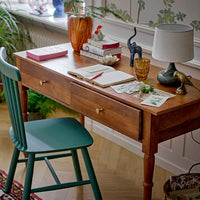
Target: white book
column 95, row 56
column 101, row 52
column 91, row 55
column 102, row 75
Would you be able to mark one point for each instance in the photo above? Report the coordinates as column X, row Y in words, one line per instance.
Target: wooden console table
column 122, row 112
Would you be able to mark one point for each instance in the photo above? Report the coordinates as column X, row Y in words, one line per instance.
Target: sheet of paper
column 114, row 77
column 128, row 87
column 91, row 71
column 163, row 93
column 157, row 92
column 95, row 68
column 154, row 100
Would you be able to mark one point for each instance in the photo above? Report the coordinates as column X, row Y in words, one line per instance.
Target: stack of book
column 98, row 49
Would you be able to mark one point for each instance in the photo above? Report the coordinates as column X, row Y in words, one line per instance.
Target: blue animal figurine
column 134, row 48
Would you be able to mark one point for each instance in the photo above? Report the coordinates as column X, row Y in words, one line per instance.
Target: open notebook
column 108, row 75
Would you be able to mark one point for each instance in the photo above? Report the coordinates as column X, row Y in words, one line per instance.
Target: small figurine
column 98, row 35
column 38, row 6
column 134, row 48
column 184, row 80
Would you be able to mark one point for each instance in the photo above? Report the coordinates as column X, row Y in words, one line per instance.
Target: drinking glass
column 142, row 66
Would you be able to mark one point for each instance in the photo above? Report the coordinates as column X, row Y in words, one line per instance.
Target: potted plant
column 80, row 20
column 40, row 107
column 13, row 36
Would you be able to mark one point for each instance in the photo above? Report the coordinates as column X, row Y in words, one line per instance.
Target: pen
column 95, row 77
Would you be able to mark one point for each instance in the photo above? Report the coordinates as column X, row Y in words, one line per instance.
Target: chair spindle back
column 10, row 76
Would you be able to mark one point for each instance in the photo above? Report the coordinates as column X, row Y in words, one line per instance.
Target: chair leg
column 91, row 174
column 12, row 169
column 76, row 165
column 29, row 176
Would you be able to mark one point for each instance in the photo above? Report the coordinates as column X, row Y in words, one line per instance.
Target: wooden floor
column 119, row 172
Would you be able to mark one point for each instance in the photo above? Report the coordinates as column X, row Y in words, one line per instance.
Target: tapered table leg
column 82, row 119
column 149, row 162
column 24, row 103
column 149, row 148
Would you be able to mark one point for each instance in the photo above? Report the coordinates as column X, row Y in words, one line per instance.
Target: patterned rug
column 16, row 190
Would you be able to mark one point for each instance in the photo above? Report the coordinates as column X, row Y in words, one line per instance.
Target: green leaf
column 196, row 25
column 141, row 5
column 180, row 16
column 14, row 35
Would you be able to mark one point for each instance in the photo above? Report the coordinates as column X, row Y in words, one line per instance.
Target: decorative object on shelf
column 172, row 43
column 59, row 9
column 109, row 59
column 142, row 66
column 98, row 35
column 184, row 80
column 134, row 48
column 39, row 7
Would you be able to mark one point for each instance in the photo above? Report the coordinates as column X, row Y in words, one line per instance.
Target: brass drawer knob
column 42, row 82
column 98, row 110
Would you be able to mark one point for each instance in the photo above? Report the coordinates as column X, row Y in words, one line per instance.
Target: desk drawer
column 47, row 82
column 122, row 118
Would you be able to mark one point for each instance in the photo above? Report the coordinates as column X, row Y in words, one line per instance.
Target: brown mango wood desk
column 122, row 112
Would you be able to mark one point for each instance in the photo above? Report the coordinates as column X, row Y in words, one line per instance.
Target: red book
column 106, row 43
column 45, row 53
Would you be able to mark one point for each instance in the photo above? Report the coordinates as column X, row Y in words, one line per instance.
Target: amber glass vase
column 79, row 29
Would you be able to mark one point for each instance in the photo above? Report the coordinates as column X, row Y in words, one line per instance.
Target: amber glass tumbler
column 142, row 66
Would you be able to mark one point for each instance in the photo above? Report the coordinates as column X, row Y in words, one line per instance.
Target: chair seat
column 51, row 135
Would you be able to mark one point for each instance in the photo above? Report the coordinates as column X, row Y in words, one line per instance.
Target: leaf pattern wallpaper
column 154, row 12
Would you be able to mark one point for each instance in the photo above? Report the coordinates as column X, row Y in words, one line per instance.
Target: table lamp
column 172, row 43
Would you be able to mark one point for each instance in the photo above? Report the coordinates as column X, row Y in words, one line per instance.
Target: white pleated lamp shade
column 173, row 43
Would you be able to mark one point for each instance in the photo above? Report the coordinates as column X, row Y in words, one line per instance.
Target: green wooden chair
column 43, row 136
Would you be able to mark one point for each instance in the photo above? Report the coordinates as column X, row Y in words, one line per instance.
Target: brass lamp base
column 165, row 77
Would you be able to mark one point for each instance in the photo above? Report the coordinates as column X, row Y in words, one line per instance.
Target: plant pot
column 35, row 116
column 79, row 29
